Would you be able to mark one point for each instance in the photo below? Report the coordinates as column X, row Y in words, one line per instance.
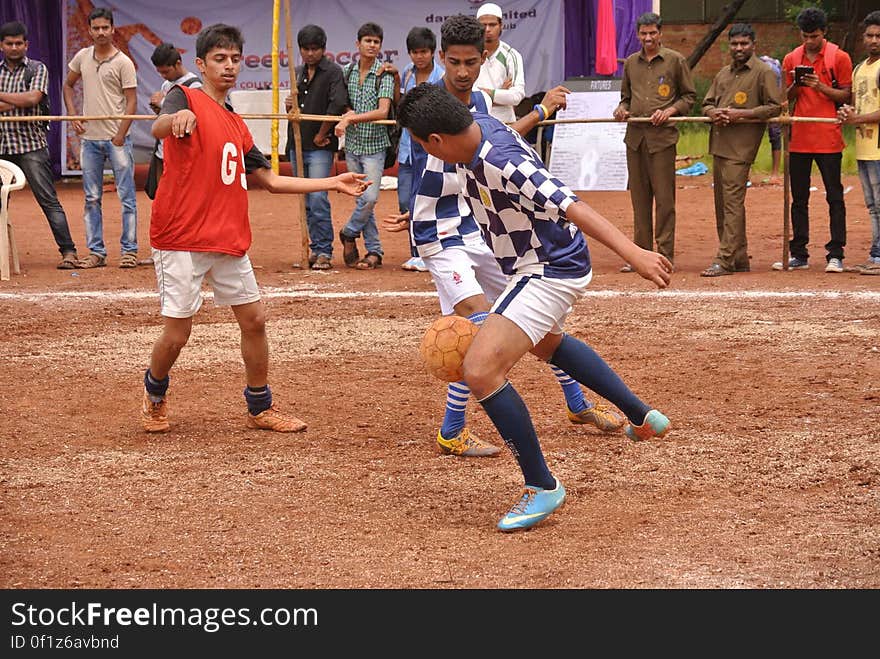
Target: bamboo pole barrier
column 296, row 117
column 329, row 117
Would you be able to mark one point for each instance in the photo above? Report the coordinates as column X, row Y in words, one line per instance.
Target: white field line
column 273, row 293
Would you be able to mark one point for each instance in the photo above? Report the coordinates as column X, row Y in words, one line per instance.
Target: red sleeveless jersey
column 201, row 203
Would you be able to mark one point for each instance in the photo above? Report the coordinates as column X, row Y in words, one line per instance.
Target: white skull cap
column 489, row 9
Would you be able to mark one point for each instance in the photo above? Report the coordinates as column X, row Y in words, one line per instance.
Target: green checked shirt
column 367, row 139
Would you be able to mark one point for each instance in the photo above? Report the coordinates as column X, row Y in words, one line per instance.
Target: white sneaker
column 834, row 265
column 794, row 263
column 415, row 264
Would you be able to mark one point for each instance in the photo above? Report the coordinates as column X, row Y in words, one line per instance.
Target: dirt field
column 769, row 479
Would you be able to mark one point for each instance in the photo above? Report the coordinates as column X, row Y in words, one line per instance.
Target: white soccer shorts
column 180, row 276
column 539, row 305
column 462, row 271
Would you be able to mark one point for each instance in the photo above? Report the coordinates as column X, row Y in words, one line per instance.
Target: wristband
column 546, row 111
column 542, row 112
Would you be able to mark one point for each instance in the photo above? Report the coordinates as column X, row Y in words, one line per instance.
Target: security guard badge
column 740, row 98
column 664, row 90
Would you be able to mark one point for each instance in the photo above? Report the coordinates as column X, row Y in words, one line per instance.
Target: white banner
column 534, row 27
column 590, row 156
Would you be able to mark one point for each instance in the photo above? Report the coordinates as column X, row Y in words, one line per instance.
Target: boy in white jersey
column 866, row 115
column 532, row 223
column 445, row 235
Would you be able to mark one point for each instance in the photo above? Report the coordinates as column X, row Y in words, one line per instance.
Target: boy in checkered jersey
column 532, row 223
column 444, row 233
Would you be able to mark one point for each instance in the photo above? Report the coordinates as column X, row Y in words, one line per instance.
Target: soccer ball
column 444, row 346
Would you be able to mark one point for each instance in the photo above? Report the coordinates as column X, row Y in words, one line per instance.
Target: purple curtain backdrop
column 45, row 43
column 580, row 30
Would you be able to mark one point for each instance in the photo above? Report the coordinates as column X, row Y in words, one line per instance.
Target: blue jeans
column 869, row 174
column 317, row 165
column 404, row 185
column 362, row 220
column 92, row 157
column 38, row 172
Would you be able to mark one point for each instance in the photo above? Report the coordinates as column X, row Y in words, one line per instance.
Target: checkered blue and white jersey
column 521, row 207
column 440, row 217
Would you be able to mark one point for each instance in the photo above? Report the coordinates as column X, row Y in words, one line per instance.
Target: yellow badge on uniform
column 485, row 198
column 664, row 90
column 740, row 98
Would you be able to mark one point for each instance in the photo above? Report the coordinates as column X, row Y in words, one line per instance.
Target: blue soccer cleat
column 655, row 425
column 535, row 505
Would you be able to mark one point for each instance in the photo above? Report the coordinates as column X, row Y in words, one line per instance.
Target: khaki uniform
column 649, row 86
column 734, row 147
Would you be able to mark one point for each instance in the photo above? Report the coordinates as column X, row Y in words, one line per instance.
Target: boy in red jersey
column 200, row 229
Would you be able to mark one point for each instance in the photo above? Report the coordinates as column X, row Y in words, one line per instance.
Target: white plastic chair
column 13, row 179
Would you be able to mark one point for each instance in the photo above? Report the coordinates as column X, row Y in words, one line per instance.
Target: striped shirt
column 440, row 215
column 367, row 139
column 504, row 64
column 24, row 136
column 521, row 207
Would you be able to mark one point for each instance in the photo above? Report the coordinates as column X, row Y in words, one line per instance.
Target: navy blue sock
column 156, row 389
column 582, row 363
column 259, row 399
column 511, row 417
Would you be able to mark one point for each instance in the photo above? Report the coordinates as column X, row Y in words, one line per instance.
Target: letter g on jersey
column 229, row 166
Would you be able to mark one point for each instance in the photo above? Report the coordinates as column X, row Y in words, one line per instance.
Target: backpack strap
column 831, row 51
column 406, row 77
column 43, row 107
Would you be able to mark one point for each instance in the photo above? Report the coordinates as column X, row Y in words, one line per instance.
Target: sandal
column 128, row 260
column 322, row 263
column 68, row 261
column 350, row 252
column 92, row 261
column 370, row 262
column 715, row 270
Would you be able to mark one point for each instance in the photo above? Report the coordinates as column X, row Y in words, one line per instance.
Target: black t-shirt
column 175, row 101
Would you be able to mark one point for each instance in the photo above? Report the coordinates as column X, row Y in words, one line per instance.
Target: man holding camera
column 818, row 78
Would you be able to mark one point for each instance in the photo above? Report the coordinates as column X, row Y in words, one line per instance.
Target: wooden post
column 786, row 193
column 294, row 118
column 276, row 26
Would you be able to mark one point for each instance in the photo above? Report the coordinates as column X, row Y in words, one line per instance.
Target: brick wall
column 774, row 39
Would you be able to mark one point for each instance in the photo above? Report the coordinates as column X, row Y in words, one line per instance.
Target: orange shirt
column 817, row 138
column 202, row 204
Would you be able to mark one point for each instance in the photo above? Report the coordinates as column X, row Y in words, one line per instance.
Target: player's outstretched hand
column 653, row 267
column 555, row 98
column 183, row 123
column 395, row 223
column 352, row 184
